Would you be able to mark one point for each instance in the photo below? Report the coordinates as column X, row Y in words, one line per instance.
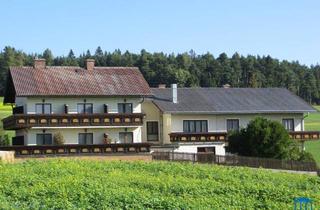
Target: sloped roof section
column 230, row 100
column 76, row 81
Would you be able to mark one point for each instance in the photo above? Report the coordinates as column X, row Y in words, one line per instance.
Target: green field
column 75, row 184
column 312, row 123
column 5, row 111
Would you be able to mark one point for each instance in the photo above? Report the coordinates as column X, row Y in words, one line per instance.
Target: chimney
column 174, row 93
column 39, row 63
column 162, row 86
column 90, row 64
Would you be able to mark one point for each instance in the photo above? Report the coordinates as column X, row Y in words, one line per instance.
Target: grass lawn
column 5, row 111
column 80, row 184
column 312, row 123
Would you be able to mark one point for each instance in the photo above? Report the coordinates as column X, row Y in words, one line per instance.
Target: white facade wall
column 57, row 103
column 71, row 134
column 193, row 148
column 218, row 123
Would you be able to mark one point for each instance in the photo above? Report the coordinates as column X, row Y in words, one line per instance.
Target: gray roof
column 230, row 100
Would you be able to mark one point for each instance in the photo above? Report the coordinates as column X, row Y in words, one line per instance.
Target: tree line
column 188, row 69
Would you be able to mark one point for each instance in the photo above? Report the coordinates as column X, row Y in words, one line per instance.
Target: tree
column 188, row 69
column 47, row 54
column 265, row 138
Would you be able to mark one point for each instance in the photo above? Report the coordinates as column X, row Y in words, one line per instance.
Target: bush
column 5, row 140
column 58, row 139
column 306, row 157
column 265, row 138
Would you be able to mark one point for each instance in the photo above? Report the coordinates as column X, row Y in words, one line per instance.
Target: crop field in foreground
column 80, row 184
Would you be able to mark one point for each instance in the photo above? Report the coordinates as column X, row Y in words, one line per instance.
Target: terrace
column 77, row 149
column 223, row 136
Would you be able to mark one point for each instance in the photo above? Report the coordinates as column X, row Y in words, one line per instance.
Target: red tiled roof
column 76, row 81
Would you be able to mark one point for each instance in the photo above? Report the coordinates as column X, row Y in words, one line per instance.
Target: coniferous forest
column 188, row 69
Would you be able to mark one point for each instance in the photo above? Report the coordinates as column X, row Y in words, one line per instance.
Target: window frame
column 157, row 129
column 284, row 125
column 86, row 140
column 42, row 108
column 43, row 140
column 84, row 108
column 126, row 132
column 124, row 108
column 194, row 125
column 233, row 119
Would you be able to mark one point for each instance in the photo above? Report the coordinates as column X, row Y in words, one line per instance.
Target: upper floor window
column 232, row 124
column 288, row 124
column 43, row 108
column 195, row 126
column 85, row 108
column 125, row 108
column 44, row 139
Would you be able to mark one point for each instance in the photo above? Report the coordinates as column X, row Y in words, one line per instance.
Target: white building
column 100, row 105
column 198, row 119
column 87, row 106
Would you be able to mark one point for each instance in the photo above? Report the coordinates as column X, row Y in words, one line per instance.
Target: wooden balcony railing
column 77, row 149
column 223, row 136
column 198, row 137
column 304, row 135
column 19, row 121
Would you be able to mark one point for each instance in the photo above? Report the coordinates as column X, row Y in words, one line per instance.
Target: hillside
column 74, row 184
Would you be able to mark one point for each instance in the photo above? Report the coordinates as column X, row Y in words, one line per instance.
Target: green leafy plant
column 266, row 138
column 58, row 138
column 80, row 184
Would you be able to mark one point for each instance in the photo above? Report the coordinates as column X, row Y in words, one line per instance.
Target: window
column 125, row 108
column 232, row 125
column 152, row 131
column 195, row 126
column 43, row 108
column 44, row 139
column 85, row 108
column 85, row 138
column 126, row 137
column 288, row 124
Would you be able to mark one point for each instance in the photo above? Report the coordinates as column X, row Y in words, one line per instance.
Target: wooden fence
column 69, row 149
column 233, row 160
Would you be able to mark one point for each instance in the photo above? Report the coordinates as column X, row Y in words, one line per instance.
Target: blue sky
column 283, row 29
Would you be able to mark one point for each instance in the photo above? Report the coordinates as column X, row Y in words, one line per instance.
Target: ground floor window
column 288, row 124
column 195, row 126
column 85, row 138
column 232, row 124
column 126, row 137
column 152, row 131
column 206, row 149
column 44, row 139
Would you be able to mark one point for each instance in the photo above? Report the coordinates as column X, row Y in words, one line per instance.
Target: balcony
column 20, row 121
column 304, row 135
column 77, row 149
column 223, row 136
column 198, row 137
